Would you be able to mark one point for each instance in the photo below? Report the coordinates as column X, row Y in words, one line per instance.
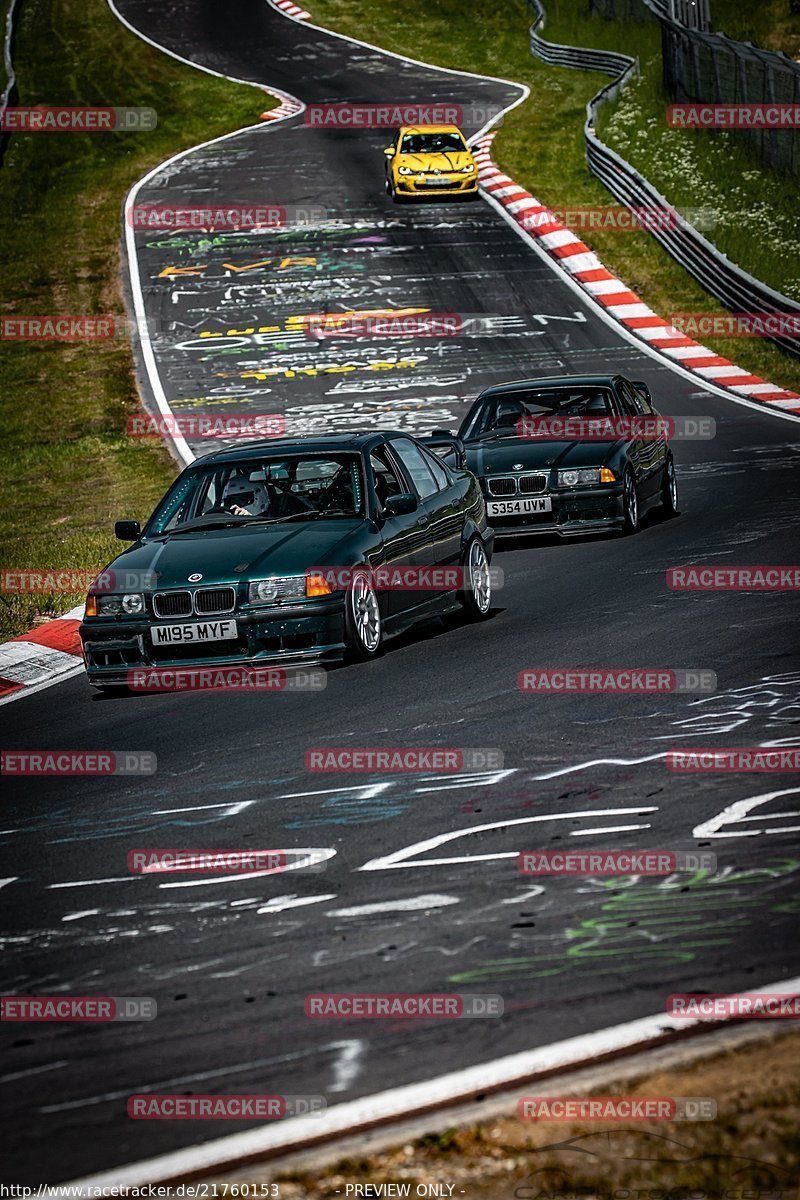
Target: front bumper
column 576, row 512
column 293, row 635
column 406, row 185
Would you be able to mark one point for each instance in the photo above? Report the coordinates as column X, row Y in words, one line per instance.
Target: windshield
column 502, row 412
column 432, row 143
column 288, row 488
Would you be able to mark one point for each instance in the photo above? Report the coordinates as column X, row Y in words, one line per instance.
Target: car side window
column 438, row 470
column 415, row 463
column 387, row 481
column 631, row 399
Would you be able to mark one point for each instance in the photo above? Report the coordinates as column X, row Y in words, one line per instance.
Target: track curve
column 230, row 961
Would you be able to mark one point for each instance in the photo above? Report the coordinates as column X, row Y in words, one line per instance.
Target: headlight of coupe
column 405, row 171
column 277, row 590
column 586, row 477
column 111, row 606
column 468, row 169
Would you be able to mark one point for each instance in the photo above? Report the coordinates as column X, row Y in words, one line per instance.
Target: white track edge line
column 401, row 1102
column 177, row 444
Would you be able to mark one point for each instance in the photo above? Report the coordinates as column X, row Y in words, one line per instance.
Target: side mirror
column 642, row 389
column 389, row 152
column 448, row 446
column 127, row 531
column 401, row 504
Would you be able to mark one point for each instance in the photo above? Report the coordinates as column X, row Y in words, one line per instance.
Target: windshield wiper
column 194, row 526
column 495, row 433
column 313, row 512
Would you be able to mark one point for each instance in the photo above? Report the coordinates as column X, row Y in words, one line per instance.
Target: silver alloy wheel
column 480, row 580
column 631, row 502
column 672, row 484
column 366, row 613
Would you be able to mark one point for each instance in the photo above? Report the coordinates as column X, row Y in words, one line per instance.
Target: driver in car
column 245, row 497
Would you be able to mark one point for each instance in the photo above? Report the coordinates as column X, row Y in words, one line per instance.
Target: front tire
column 630, row 504
column 669, row 490
column 476, row 595
column 363, row 630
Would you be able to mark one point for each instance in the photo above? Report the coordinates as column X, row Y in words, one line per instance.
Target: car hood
column 454, row 161
column 506, row 455
column 228, row 555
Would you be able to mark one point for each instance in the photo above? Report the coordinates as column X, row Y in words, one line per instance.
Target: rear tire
column 476, row 596
column 363, row 630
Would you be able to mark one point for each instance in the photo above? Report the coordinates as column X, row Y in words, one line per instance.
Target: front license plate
column 438, row 181
column 519, row 508
column 199, row 631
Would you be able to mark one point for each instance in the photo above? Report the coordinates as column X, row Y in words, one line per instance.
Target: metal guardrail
column 734, row 287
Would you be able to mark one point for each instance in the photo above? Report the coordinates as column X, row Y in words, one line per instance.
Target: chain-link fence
column 709, row 68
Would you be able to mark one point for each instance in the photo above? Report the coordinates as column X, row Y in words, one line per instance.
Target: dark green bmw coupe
column 291, row 551
column 571, row 455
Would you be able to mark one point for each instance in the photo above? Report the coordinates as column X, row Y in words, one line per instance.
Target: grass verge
column 540, row 144
column 67, row 468
column 767, row 23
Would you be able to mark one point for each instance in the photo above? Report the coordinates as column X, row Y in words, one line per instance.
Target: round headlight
column 265, row 590
column 133, row 603
column 110, row 605
column 569, row 478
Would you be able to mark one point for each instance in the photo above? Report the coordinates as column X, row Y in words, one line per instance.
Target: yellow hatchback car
column 430, row 160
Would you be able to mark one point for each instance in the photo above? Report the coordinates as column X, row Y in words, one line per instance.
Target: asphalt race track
column 229, row 960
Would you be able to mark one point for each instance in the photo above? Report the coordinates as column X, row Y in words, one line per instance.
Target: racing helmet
column 248, row 493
